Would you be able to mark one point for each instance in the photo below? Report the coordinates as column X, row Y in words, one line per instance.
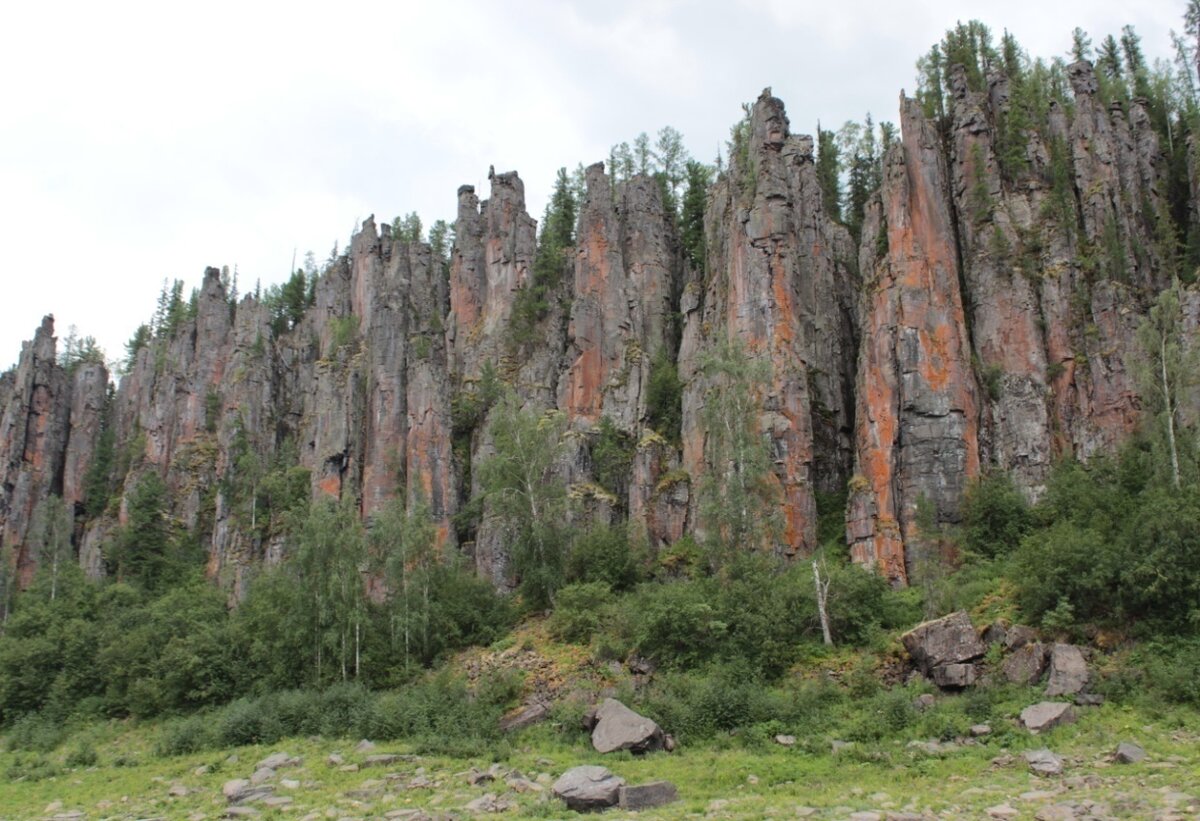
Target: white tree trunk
column 822, row 595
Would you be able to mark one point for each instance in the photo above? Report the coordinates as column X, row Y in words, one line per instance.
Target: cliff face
column 986, row 321
column 781, row 282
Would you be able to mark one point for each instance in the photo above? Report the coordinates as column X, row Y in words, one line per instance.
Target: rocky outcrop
column 780, row 282
column 917, row 425
column 987, row 321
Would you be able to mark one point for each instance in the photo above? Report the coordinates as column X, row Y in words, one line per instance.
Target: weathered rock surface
column 1047, row 714
column 1026, row 664
column 588, row 787
column 619, row 728
column 1129, row 753
column 1043, row 762
column 647, row 796
column 949, row 640
column 1068, row 671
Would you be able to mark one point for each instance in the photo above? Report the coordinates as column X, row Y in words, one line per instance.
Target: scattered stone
column 348, row 768
column 335, row 760
column 525, row 717
column 1068, row 671
column 277, row 761
column 490, row 803
column 785, row 740
column 954, row 676
column 948, row 640
column 232, row 789
column 645, row 796
column 1002, row 811
column 177, row 791
column 1037, row 795
column 476, row 777
column 669, row 743
column 619, row 728
column 52, row 807
column 1047, row 714
column 290, row 784
column 202, row 770
column 805, row 812
column 364, row 746
column 752, row 779
column 1043, row 762
column 838, row 746
column 866, row 815
column 1089, row 699
column 240, row 812
column 1129, row 753
column 588, row 787
column 261, row 775
column 1026, row 665
column 69, row 815
column 381, row 760
column 522, row 785
column 276, row 801
column 978, row 730
column 923, row 702
column 1056, row 812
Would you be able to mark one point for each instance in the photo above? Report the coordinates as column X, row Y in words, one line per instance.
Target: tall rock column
column 917, row 430
column 780, row 281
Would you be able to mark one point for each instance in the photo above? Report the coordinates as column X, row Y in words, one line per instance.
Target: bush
column 995, row 516
column 580, row 610
column 677, row 623
column 602, row 554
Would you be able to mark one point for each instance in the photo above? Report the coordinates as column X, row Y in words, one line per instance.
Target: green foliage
column 522, row 490
column 532, row 302
column 829, row 173
column 612, row 453
column 738, row 502
column 343, row 332
column 995, row 516
column 580, row 611
column 691, row 218
column 408, row 228
column 143, row 550
column 603, row 554
column 287, row 303
column 664, row 397
column 78, row 351
column 140, row 339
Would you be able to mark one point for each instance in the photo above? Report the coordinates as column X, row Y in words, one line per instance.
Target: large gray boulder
column 1068, row 671
column 619, row 728
column 1043, row 762
column 1047, row 714
column 588, row 788
column 949, row 640
column 1026, row 664
column 954, row 676
column 645, row 796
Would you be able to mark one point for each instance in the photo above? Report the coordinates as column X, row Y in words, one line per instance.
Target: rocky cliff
column 986, row 321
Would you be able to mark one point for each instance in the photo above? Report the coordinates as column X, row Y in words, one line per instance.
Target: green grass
column 754, row 777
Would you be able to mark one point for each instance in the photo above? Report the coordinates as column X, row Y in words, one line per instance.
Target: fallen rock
column 1089, row 699
column 364, row 746
column 518, row 783
column 954, row 676
column 645, row 796
column 528, row 715
column 1018, row 635
column 995, row 633
column 978, row 730
column 1043, row 762
column 1026, row 664
column 240, row 812
column 261, row 775
column 177, row 791
column 277, row 761
column 619, row 728
column 1068, row 671
column 948, row 640
column 1002, row 811
column 1129, row 753
column 335, row 760
column 923, row 702
column 490, row 803
column 1047, row 714
column 476, row 777
column 380, row 760
column 588, row 787
column 785, row 740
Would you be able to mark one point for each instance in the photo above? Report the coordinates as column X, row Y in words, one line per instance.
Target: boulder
column 1026, row 664
column 1068, row 671
column 619, row 728
column 923, row 702
column 1129, row 753
column 954, row 676
column 1047, row 714
column 995, row 633
column 785, row 740
column 948, row 640
column 1018, row 635
column 645, row 796
column 1043, row 762
column 527, row 715
column 588, row 787
column 276, row 761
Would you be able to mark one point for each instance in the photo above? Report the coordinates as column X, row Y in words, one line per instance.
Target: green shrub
column 580, row 610
column 603, row 554
column 995, row 516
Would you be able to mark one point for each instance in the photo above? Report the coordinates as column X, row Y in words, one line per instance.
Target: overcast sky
column 143, row 141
